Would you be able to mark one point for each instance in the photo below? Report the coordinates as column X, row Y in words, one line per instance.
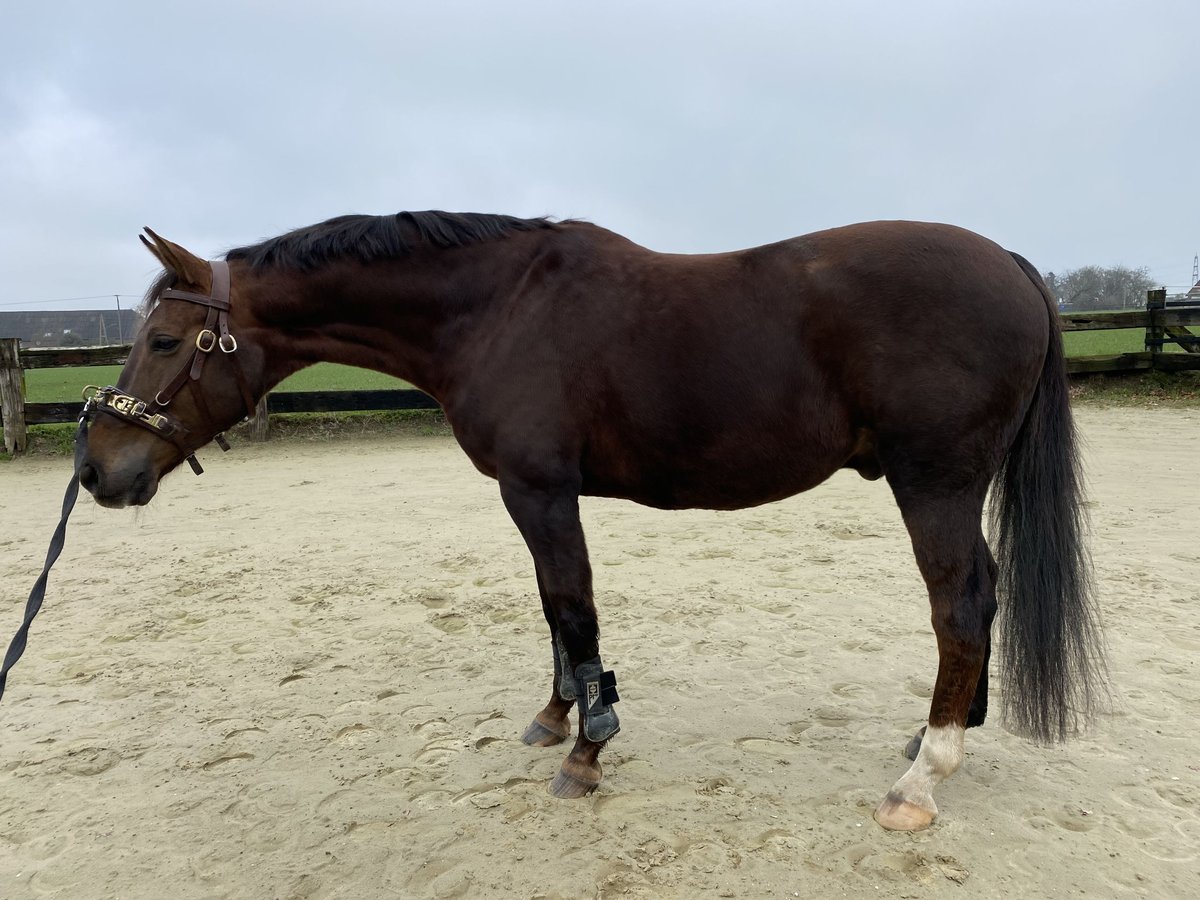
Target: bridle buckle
column 206, row 340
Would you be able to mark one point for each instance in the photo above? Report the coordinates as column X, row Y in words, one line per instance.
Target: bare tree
column 1099, row 287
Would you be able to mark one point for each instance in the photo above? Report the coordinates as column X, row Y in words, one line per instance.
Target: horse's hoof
column 541, row 733
column 897, row 814
column 575, row 780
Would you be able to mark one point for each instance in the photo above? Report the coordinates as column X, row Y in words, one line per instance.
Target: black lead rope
column 17, row 646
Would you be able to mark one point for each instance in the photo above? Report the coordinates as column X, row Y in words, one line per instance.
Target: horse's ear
column 187, row 266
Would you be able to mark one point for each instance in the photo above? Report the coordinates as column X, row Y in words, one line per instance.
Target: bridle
column 151, row 415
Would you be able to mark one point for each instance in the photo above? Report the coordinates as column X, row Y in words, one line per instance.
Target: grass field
column 1103, row 343
column 50, row 385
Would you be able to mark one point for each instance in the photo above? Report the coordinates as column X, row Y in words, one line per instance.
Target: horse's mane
column 369, row 238
column 165, row 279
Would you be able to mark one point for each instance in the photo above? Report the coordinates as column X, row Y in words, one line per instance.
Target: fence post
column 259, row 427
column 12, row 395
column 1156, row 302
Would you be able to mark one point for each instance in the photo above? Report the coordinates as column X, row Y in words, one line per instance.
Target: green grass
column 51, row 385
column 332, row 377
column 1104, row 343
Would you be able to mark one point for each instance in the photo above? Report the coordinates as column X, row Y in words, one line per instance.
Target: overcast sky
column 1069, row 132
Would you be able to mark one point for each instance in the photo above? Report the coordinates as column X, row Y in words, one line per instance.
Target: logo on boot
column 593, row 693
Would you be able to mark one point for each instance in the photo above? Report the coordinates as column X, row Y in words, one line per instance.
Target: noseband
column 151, row 415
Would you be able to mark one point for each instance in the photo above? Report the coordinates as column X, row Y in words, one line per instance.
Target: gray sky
column 1067, row 131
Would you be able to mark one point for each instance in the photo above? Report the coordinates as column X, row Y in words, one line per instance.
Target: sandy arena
column 306, row 674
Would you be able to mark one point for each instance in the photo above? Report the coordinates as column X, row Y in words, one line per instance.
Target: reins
column 17, row 646
column 148, row 415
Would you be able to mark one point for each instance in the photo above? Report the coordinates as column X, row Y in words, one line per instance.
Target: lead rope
column 17, row 646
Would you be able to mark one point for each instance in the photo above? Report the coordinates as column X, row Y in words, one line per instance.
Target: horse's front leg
column 546, row 510
column 552, row 726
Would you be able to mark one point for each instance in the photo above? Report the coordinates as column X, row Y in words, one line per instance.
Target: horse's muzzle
column 119, row 487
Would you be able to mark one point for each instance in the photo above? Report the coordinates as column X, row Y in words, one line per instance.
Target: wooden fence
column 1163, row 326
column 18, row 414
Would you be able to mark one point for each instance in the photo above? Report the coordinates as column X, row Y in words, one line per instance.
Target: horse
column 571, row 361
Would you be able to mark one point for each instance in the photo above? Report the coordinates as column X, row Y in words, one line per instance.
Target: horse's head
column 193, row 371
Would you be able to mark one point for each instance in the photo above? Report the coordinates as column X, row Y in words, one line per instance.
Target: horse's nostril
column 88, row 476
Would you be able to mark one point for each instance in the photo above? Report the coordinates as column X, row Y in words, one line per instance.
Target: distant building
column 1191, row 298
column 69, row 328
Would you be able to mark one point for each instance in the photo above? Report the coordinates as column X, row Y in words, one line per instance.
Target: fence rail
column 1134, row 318
column 1164, row 325
column 19, row 414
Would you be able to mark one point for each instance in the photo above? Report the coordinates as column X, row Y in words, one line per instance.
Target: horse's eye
column 162, row 343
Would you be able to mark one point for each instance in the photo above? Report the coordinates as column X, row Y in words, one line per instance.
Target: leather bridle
column 151, row 414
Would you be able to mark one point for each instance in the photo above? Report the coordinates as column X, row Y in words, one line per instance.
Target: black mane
column 369, row 238
column 165, row 279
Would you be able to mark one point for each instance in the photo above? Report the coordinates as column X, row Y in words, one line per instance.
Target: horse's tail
column 1052, row 652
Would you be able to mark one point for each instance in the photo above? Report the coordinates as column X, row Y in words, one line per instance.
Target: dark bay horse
column 572, row 361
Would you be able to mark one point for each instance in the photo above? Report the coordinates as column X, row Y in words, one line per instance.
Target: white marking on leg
column 941, row 754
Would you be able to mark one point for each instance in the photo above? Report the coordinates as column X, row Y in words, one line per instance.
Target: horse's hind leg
column 954, row 560
column 552, row 726
column 546, row 510
column 977, row 711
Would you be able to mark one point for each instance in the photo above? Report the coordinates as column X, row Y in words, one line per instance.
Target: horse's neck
column 404, row 317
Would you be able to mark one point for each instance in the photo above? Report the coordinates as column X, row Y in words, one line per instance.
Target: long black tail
column 1052, row 652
